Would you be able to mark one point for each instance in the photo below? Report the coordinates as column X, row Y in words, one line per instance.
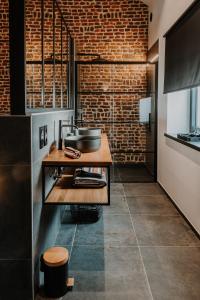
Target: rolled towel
column 72, row 153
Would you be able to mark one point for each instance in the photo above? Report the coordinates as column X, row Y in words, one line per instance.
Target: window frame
column 193, row 109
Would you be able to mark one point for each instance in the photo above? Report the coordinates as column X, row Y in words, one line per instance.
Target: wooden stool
column 55, row 266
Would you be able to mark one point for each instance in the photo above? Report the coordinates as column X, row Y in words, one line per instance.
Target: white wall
column 178, row 165
column 165, row 13
column 178, row 112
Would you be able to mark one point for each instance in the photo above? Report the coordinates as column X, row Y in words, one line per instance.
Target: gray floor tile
column 115, row 179
column 134, row 174
column 135, row 179
column 117, row 189
column 41, row 296
column 133, row 171
column 122, row 295
column 163, row 231
column 118, row 205
column 142, row 189
column 105, row 259
column 105, row 272
column 65, row 235
column 173, row 272
column 67, row 216
column 106, row 285
column 153, row 205
column 114, row 173
column 114, row 230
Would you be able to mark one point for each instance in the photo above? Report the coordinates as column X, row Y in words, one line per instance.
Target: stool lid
column 56, row 256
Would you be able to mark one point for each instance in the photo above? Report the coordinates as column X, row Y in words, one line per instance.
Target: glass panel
column 150, row 159
column 71, row 70
column 48, row 83
column 109, row 97
column 47, row 66
column 58, row 57
column 48, row 54
column 65, row 67
column 33, row 55
column 33, row 85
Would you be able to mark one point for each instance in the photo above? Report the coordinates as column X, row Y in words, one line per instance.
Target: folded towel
column 72, row 153
column 84, row 173
column 89, row 178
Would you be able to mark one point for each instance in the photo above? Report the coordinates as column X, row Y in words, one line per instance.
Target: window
column 195, row 109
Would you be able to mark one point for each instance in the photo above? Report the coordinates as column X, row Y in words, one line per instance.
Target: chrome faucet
column 61, row 126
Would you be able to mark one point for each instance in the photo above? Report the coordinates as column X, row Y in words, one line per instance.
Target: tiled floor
column 140, row 249
column 131, row 173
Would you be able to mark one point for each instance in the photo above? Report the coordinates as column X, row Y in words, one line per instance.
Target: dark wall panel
column 182, row 55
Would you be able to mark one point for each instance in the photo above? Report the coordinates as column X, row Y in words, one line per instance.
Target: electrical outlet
column 41, row 136
column 45, row 135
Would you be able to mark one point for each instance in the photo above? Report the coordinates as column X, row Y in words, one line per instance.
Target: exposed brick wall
column 129, row 84
column 33, row 53
column 117, row 30
column 4, row 58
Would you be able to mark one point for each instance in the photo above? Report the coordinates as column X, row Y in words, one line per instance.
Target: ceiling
column 148, row 2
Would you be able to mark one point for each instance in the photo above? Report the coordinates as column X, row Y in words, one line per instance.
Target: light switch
column 41, row 136
column 45, row 135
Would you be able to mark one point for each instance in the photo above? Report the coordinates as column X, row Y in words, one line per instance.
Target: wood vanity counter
column 100, row 158
column 63, row 192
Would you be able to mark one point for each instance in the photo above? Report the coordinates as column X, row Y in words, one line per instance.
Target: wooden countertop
column 102, row 157
column 64, row 193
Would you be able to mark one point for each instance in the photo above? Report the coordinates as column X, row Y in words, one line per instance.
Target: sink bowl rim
column 76, row 138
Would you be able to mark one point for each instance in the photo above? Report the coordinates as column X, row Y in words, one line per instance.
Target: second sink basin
column 83, row 143
column 89, row 131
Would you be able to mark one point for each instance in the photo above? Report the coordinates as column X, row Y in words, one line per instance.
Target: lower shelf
column 64, row 193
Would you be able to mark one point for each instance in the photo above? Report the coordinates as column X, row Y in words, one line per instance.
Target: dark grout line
column 140, row 253
column 73, row 239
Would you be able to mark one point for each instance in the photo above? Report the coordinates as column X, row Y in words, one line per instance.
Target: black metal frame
column 100, row 62
column 156, row 125
column 104, row 62
column 193, row 109
column 44, row 196
column 116, row 62
column 17, row 38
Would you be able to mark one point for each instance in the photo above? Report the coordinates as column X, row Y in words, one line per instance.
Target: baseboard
column 181, row 213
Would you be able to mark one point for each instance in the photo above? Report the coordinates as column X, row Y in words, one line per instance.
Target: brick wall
column 4, row 59
column 117, row 30
column 33, row 53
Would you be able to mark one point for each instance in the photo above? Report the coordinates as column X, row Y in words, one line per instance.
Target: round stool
column 55, row 267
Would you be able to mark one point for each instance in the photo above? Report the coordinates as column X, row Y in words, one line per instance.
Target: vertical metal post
column 42, row 50
column 76, row 92
column 17, row 56
column 43, row 184
column 108, row 175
